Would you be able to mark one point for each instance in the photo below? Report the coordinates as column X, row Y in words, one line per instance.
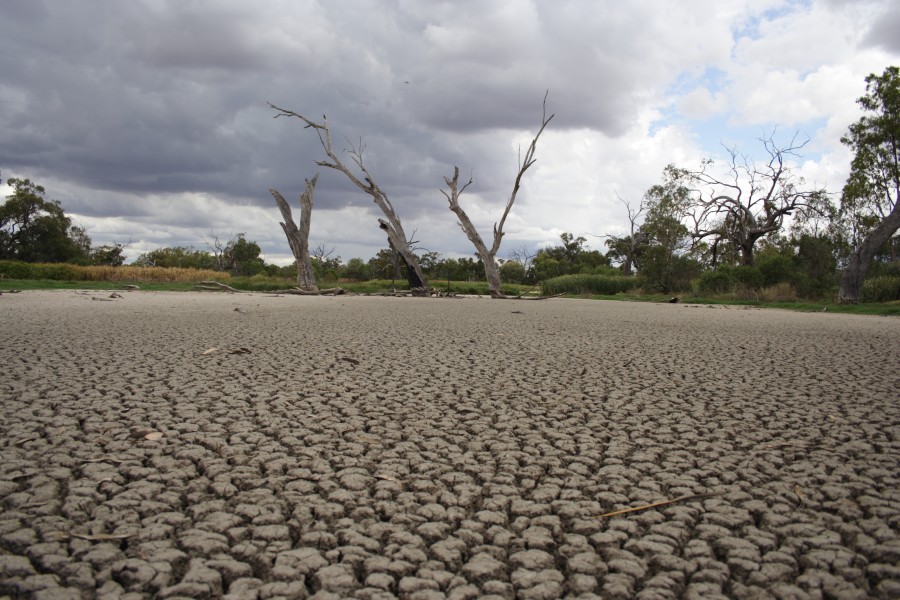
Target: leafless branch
column 391, row 223
column 488, row 255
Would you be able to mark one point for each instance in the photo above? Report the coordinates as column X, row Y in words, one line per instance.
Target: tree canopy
column 869, row 202
column 35, row 229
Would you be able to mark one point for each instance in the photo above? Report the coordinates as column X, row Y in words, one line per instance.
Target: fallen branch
column 337, row 291
column 216, row 286
column 624, row 511
column 523, row 297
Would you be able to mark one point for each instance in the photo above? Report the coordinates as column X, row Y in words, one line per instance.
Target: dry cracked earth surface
column 182, row 445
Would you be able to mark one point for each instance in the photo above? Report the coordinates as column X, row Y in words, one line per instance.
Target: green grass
column 254, row 284
column 874, row 308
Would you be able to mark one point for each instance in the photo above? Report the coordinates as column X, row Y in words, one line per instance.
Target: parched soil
column 190, row 445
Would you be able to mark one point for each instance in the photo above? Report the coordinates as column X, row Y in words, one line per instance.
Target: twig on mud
column 109, row 459
column 98, row 537
column 616, row 513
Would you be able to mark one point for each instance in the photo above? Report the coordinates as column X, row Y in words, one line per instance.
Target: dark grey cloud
column 884, row 32
column 130, row 104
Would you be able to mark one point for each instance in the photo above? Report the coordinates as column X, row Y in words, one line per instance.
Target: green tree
column 661, row 262
column 108, row 255
column 869, row 202
column 386, row 265
column 242, row 257
column 356, row 269
column 34, row 229
column 626, row 249
column 512, row 271
column 177, row 256
column 569, row 257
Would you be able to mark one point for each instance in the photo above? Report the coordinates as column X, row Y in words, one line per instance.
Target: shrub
column 780, row 292
column 602, row 285
column 811, row 288
column 776, row 269
column 880, row 289
column 750, row 278
column 717, row 282
column 13, row 269
column 512, row 271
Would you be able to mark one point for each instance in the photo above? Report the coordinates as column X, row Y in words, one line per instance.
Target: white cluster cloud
column 148, row 119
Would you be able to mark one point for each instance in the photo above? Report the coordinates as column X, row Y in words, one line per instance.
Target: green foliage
column 53, row 271
column 459, row 269
column 568, row 258
column 34, row 229
column 776, row 268
column 512, row 271
column 242, row 257
column 177, row 257
column 720, row 281
column 109, row 255
column 748, row 278
column 871, row 190
column 881, row 289
column 588, row 284
column 657, row 248
column 356, row 269
column 889, row 269
column 729, row 279
column 667, row 273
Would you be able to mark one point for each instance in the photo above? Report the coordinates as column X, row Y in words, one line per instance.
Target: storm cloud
column 149, row 119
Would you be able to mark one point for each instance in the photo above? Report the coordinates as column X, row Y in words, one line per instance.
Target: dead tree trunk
column 298, row 236
column 489, row 255
column 391, row 223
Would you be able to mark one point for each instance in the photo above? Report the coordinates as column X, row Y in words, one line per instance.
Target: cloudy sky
column 148, row 121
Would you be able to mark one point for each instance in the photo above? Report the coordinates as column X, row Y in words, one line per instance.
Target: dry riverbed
column 161, row 445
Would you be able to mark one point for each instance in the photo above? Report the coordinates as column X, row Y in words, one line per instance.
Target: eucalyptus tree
column 869, row 202
column 746, row 201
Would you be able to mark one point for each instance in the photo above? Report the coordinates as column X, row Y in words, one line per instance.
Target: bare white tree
column 391, row 223
column 298, row 236
column 489, row 255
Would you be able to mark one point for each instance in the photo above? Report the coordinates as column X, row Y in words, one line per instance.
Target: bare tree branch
column 391, row 223
column 751, row 201
column 488, row 255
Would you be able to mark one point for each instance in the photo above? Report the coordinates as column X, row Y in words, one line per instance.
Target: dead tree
column 298, row 236
column 488, row 255
column 751, row 201
column 391, row 223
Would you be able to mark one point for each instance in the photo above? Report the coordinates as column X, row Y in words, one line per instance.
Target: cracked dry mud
column 421, row 448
